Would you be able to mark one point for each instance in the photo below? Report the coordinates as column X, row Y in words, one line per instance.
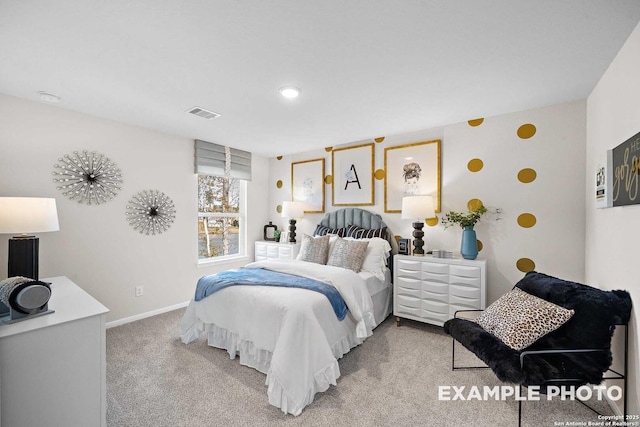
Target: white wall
column 556, row 197
column 96, row 247
column 612, row 235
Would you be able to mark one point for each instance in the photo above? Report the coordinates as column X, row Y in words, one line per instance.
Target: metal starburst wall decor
column 150, row 212
column 87, row 177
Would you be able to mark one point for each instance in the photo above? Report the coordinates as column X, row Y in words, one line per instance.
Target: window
column 221, row 217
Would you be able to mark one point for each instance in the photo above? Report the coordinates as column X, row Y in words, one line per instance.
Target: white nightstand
column 53, row 367
column 276, row 250
column 431, row 290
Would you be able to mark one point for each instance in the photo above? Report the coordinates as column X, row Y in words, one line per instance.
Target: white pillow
column 375, row 261
column 333, row 238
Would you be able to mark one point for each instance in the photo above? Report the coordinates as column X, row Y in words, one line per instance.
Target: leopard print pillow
column 519, row 319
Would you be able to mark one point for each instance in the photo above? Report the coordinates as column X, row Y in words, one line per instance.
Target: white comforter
column 292, row 335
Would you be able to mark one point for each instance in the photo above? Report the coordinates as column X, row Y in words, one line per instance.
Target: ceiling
column 366, row 68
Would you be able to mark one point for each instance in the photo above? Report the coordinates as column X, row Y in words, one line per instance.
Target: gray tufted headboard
column 361, row 218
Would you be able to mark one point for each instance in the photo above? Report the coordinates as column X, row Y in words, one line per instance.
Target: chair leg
column 453, row 354
column 520, row 410
column 453, row 359
column 626, row 372
column 584, row 404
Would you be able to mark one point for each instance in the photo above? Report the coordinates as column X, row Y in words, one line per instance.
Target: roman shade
column 211, row 158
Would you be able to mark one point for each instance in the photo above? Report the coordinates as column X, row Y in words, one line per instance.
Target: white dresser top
column 68, row 300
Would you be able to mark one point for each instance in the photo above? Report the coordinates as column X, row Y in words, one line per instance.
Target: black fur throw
column 591, row 327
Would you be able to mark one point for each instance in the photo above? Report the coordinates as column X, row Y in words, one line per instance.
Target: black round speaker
column 29, row 297
column 32, row 298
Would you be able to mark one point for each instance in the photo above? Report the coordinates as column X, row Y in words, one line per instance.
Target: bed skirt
column 329, row 343
column 260, row 360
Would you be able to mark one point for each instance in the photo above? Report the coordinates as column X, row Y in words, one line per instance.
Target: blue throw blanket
column 208, row 285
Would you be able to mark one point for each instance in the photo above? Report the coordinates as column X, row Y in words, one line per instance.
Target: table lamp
column 418, row 208
column 23, row 216
column 292, row 210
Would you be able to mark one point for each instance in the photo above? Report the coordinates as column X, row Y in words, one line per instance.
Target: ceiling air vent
column 201, row 112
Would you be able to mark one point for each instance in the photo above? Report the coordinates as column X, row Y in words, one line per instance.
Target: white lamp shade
column 292, row 209
column 21, row 215
column 418, row 207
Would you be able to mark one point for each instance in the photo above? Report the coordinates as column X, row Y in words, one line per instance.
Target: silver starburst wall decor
column 150, row 212
column 87, row 177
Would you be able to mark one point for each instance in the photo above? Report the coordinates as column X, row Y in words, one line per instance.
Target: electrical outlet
column 139, row 291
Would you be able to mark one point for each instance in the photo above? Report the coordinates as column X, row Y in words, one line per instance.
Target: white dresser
column 53, row 367
column 276, row 250
column 431, row 290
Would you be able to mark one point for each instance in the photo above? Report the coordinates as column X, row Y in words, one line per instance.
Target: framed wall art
column 307, row 184
column 352, row 171
column 625, row 172
column 411, row 170
column 604, row 180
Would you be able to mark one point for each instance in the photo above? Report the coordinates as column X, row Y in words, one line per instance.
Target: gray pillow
column 314, row 249
column 348, row 254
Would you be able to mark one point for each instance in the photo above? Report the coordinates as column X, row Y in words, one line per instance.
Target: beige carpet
column 392, row 379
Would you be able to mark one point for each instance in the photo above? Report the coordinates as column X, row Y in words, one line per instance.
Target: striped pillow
column 363, row 233
column 321, row 230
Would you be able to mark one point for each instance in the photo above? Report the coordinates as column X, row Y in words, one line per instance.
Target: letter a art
column 352, row 177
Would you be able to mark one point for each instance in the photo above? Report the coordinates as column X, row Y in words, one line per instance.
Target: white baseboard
column 145, row 315
column 615, row 406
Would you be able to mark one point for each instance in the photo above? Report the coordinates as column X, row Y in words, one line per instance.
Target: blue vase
column 469, row 247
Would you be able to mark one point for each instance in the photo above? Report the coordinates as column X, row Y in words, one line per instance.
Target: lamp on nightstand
column 418, row 208
column 293, row 211
column 23, row 216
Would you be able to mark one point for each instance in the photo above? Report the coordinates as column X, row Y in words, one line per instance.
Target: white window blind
column 210, row 159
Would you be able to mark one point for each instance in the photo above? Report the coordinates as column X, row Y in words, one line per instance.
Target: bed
column 294, row 335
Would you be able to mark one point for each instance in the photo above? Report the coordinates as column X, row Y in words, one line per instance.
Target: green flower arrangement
column 464, row 220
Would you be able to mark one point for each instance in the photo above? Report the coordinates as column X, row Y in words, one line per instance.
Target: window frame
column 242, row 235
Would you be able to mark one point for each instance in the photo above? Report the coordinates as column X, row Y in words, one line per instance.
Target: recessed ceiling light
column 290, row 92
column 48, row 97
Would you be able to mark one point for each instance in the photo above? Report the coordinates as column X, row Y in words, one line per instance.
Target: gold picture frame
column 352, row 169
column 307, row 184
column 411, row 169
